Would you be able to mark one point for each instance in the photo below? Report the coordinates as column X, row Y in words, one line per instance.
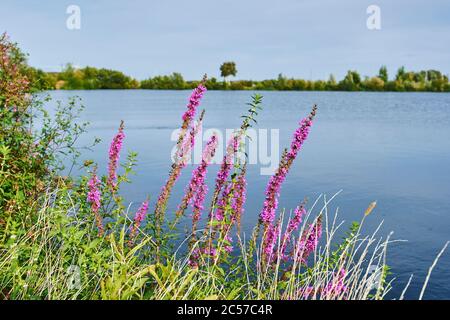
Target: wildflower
column 219, row 213
column 228, row 247
column 194, row 102
column 197, row 253
column 293, row 225
column 184, row 151
column 269, row 242
column 93, row 197
column 183, row 148
column 114, row 154
column 267, row 214
column 335, row 287
column 138, row 218
column 239, row 197
column 308, row 241
column 197, row 189
column 222, row 175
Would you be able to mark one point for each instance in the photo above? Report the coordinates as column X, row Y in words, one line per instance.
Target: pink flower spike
column 114, row 155
column 293, row 225
column 267, row 214
column 93, row 197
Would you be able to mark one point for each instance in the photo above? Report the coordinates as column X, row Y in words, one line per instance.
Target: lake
column 390, row 147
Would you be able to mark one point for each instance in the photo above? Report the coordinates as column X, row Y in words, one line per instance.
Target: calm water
column 389, row 147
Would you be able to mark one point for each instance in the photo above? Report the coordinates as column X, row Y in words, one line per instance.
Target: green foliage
column 174, row 81
column 228, row 69
column 383, row 74
column 92, row 78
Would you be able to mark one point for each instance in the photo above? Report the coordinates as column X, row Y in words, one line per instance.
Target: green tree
column 383, row 74
column 351, row 82
column 331, row 84
column 374, row 84
column 228, row 69
column 400, row 73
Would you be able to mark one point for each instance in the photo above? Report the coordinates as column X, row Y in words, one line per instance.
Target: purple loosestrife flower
column 198, row 179
column 336, row 286
column 187, row 145
column 197, row 253
column 270, row 206
column 308, row 241
column 240, row 196
column 293, row 225
column 228, row 247
column 219, row 213
column 224, row 172
column 269, row 243
column 183, row 148
column 194, row 102
column 93, row 197
column 197, row 189
column 114, row 155
column 137, row 221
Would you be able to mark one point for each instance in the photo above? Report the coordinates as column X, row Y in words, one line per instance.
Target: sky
column 307, row 39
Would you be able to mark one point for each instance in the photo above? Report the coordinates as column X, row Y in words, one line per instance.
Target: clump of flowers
column 197, row 189
column 270, row 206
column 184, row 144
column 114, row 155
column 93, row 197
column 293, row 225
column 138, row 219
column 309, row 240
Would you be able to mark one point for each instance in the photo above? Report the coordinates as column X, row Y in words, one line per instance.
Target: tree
column 228, row 69
column 400, row 73
column 351, row 82
column 331, row 84
column 374, row 84
column 383, row 74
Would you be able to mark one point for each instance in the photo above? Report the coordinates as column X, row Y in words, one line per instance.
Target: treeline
column 92, row 78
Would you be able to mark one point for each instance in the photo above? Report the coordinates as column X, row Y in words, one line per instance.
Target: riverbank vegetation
column 75, row 237
column 90, row 78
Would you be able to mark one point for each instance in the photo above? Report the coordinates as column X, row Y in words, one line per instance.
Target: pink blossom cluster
column 137, row 221
column 293, row 225
column 140, row 214
column 184, row 146
column 222, row 176
column 268, row 212
column 114, row 155
column 334, row 289
column 239, row 197
column 197, row 188
column 197, row 253
column 269, row 242
column 198, row 179
column 308, row 241
column 93, row 197
column 194, row 102
column 336, row 286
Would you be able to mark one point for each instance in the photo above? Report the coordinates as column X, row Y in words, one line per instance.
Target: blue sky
column 299, row 38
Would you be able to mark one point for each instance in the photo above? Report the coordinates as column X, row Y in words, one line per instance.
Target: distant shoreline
column 90, row 78
column 246, row 90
